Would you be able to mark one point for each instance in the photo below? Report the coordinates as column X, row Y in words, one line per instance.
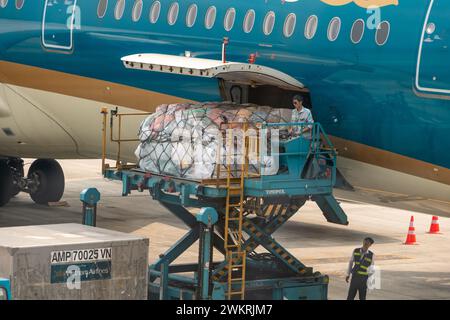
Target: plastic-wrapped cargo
column 185, row 140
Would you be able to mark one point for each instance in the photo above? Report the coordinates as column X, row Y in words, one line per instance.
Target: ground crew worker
column 362, row 259
column 301, row 115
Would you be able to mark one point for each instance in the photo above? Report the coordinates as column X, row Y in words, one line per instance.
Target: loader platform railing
column 313, row 145
column 116, row 137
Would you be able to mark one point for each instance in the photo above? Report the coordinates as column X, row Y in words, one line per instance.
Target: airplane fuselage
column 384, row 95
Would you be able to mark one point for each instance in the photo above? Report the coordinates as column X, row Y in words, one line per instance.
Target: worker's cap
column 369, row 239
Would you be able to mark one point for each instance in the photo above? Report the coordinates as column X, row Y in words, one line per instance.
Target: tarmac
column 419, row 271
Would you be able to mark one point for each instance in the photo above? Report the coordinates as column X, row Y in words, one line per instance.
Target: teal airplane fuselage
column 386, row 93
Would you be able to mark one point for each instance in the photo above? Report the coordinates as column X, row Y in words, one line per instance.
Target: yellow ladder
column 235, row 254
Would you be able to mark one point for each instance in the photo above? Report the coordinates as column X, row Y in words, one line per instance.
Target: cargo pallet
column 239, row 213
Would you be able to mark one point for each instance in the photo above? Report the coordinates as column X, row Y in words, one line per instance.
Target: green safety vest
column 362, row 265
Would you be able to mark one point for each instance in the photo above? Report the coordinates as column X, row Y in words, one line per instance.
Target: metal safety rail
column 115, row 114
column 250, row 207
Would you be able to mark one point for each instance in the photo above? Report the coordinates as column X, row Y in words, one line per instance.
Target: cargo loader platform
column 239, row 213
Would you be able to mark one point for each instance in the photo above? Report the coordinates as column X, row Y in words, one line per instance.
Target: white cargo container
column 73, row 261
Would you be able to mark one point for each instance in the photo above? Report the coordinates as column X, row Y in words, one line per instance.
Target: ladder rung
column 235, row 253
column 234, row 204
column 237, row 279
column 235, row 293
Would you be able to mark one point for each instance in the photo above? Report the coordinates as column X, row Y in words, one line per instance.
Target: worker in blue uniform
column 360, row 265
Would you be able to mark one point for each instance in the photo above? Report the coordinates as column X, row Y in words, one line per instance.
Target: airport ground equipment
column 73, row 262
column 90, row 197
column 250, row 210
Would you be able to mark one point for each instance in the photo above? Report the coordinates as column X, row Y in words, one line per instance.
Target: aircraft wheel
column 6, row 183
column 48, row 178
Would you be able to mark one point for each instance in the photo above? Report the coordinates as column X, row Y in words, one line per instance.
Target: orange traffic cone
column 411, row 237
column 434, row 228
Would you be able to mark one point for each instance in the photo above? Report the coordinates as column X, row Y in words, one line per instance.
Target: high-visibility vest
column 362, row 264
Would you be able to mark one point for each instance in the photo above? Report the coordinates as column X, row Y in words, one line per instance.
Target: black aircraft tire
column 6, row 183
column 51, row 181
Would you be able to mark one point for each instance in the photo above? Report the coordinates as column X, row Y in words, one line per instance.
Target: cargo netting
column 189, row 140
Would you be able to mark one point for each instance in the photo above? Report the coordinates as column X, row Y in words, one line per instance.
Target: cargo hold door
column 58, row 23
column 233, row 72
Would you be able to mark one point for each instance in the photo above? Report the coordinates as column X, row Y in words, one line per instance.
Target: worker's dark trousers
column 358, row 284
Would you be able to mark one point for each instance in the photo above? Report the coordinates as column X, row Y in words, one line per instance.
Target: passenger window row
column 19, row 4
column 311, row 26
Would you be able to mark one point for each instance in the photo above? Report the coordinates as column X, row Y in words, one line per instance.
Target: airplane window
column 19, row 4
column 173, row 13
column 230, row 17
column 191, row 16
column 155, row 11
column 289, row 25
column 249, row 21
column 431, row 28
column 210, row 17
column 311, row 27
column 382, row 34
column 137, row 10
column 120, row 8
column 102, row 7
column 3, row 3
column 358, row 31
column 269, row 23
column 334, row 28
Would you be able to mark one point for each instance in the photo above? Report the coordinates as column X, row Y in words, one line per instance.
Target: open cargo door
column 241, row 73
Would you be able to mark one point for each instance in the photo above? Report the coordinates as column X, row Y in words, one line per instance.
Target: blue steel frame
column 177, row 193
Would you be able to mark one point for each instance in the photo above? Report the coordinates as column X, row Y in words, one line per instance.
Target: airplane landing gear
column 16, row 166
column 46, row 181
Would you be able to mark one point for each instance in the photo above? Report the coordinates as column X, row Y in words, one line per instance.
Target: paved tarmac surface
column 407, row 272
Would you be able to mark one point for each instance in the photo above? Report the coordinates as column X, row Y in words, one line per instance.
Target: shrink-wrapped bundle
column 188, row 140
